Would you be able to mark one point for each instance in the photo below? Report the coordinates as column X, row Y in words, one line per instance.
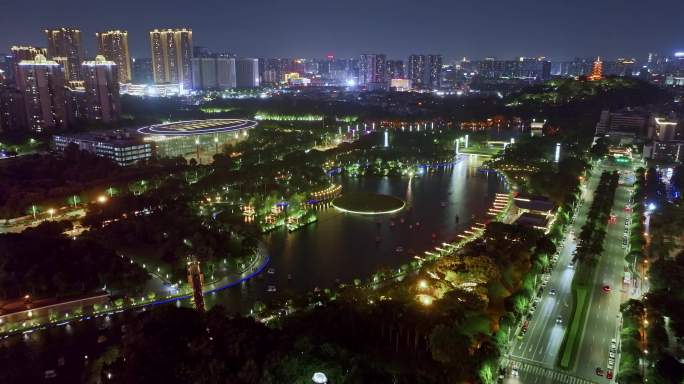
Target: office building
column 26, row 52
column 101, row 83
column 247, row 73
column 433, row 71
column 425, row 71
column 626, row 123
column 664, row 129
column 274, row 70
column 574, row 68
column 623, row 67
column 200, row 51
column 213, row 73
column 373, row 71
column 529, row 69
column 416, row 70
column 113, row 45
column 5, row 68
column 400, row 85
column 66, row 43
column 122, row 148
column 19, row 53
column 395, row 69
column 172, row 56
column 12, row 110
column 42, row 85
column 668, row 151
column 142, row 70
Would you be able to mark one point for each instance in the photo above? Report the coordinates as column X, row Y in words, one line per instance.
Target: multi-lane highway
column 533, row 357
column 540, row 345
column 607, row 291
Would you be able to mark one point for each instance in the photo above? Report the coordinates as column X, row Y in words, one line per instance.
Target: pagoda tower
column 597, row 70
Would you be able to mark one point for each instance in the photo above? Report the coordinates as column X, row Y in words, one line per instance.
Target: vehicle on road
column 606, row 288
column 514, row 371
column 559, row 320
column 599, row 371
column 609, row 374
column 552, row 292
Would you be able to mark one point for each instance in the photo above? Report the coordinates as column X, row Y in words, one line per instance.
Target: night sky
column 558, row 29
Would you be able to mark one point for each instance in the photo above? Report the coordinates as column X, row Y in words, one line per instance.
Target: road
column 540, row 346
column 536, row 354
column 64, row 213
column 604, row 307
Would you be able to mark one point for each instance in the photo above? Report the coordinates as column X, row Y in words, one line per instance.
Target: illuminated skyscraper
column 172, row 56
column 101, row 90
column 20, row 53
column 66, row 42
column 113, row 45
column 416, row 70
column 395, row 69
column 425, row 71
column 597, row 70
column 42, row 85
column 433, row 73
column 373, row 71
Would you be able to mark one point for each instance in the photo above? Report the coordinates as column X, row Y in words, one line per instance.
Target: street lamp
column 319, row 378
column 51, row 211
column 102, row 199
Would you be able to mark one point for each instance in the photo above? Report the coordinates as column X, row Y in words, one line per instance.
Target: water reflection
column 338, row 248
column 341, row 247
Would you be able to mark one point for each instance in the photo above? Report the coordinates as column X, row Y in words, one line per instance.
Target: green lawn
column 481, row 150
column 572, row 336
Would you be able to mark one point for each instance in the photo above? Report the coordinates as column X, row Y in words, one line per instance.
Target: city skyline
column 455, row 30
